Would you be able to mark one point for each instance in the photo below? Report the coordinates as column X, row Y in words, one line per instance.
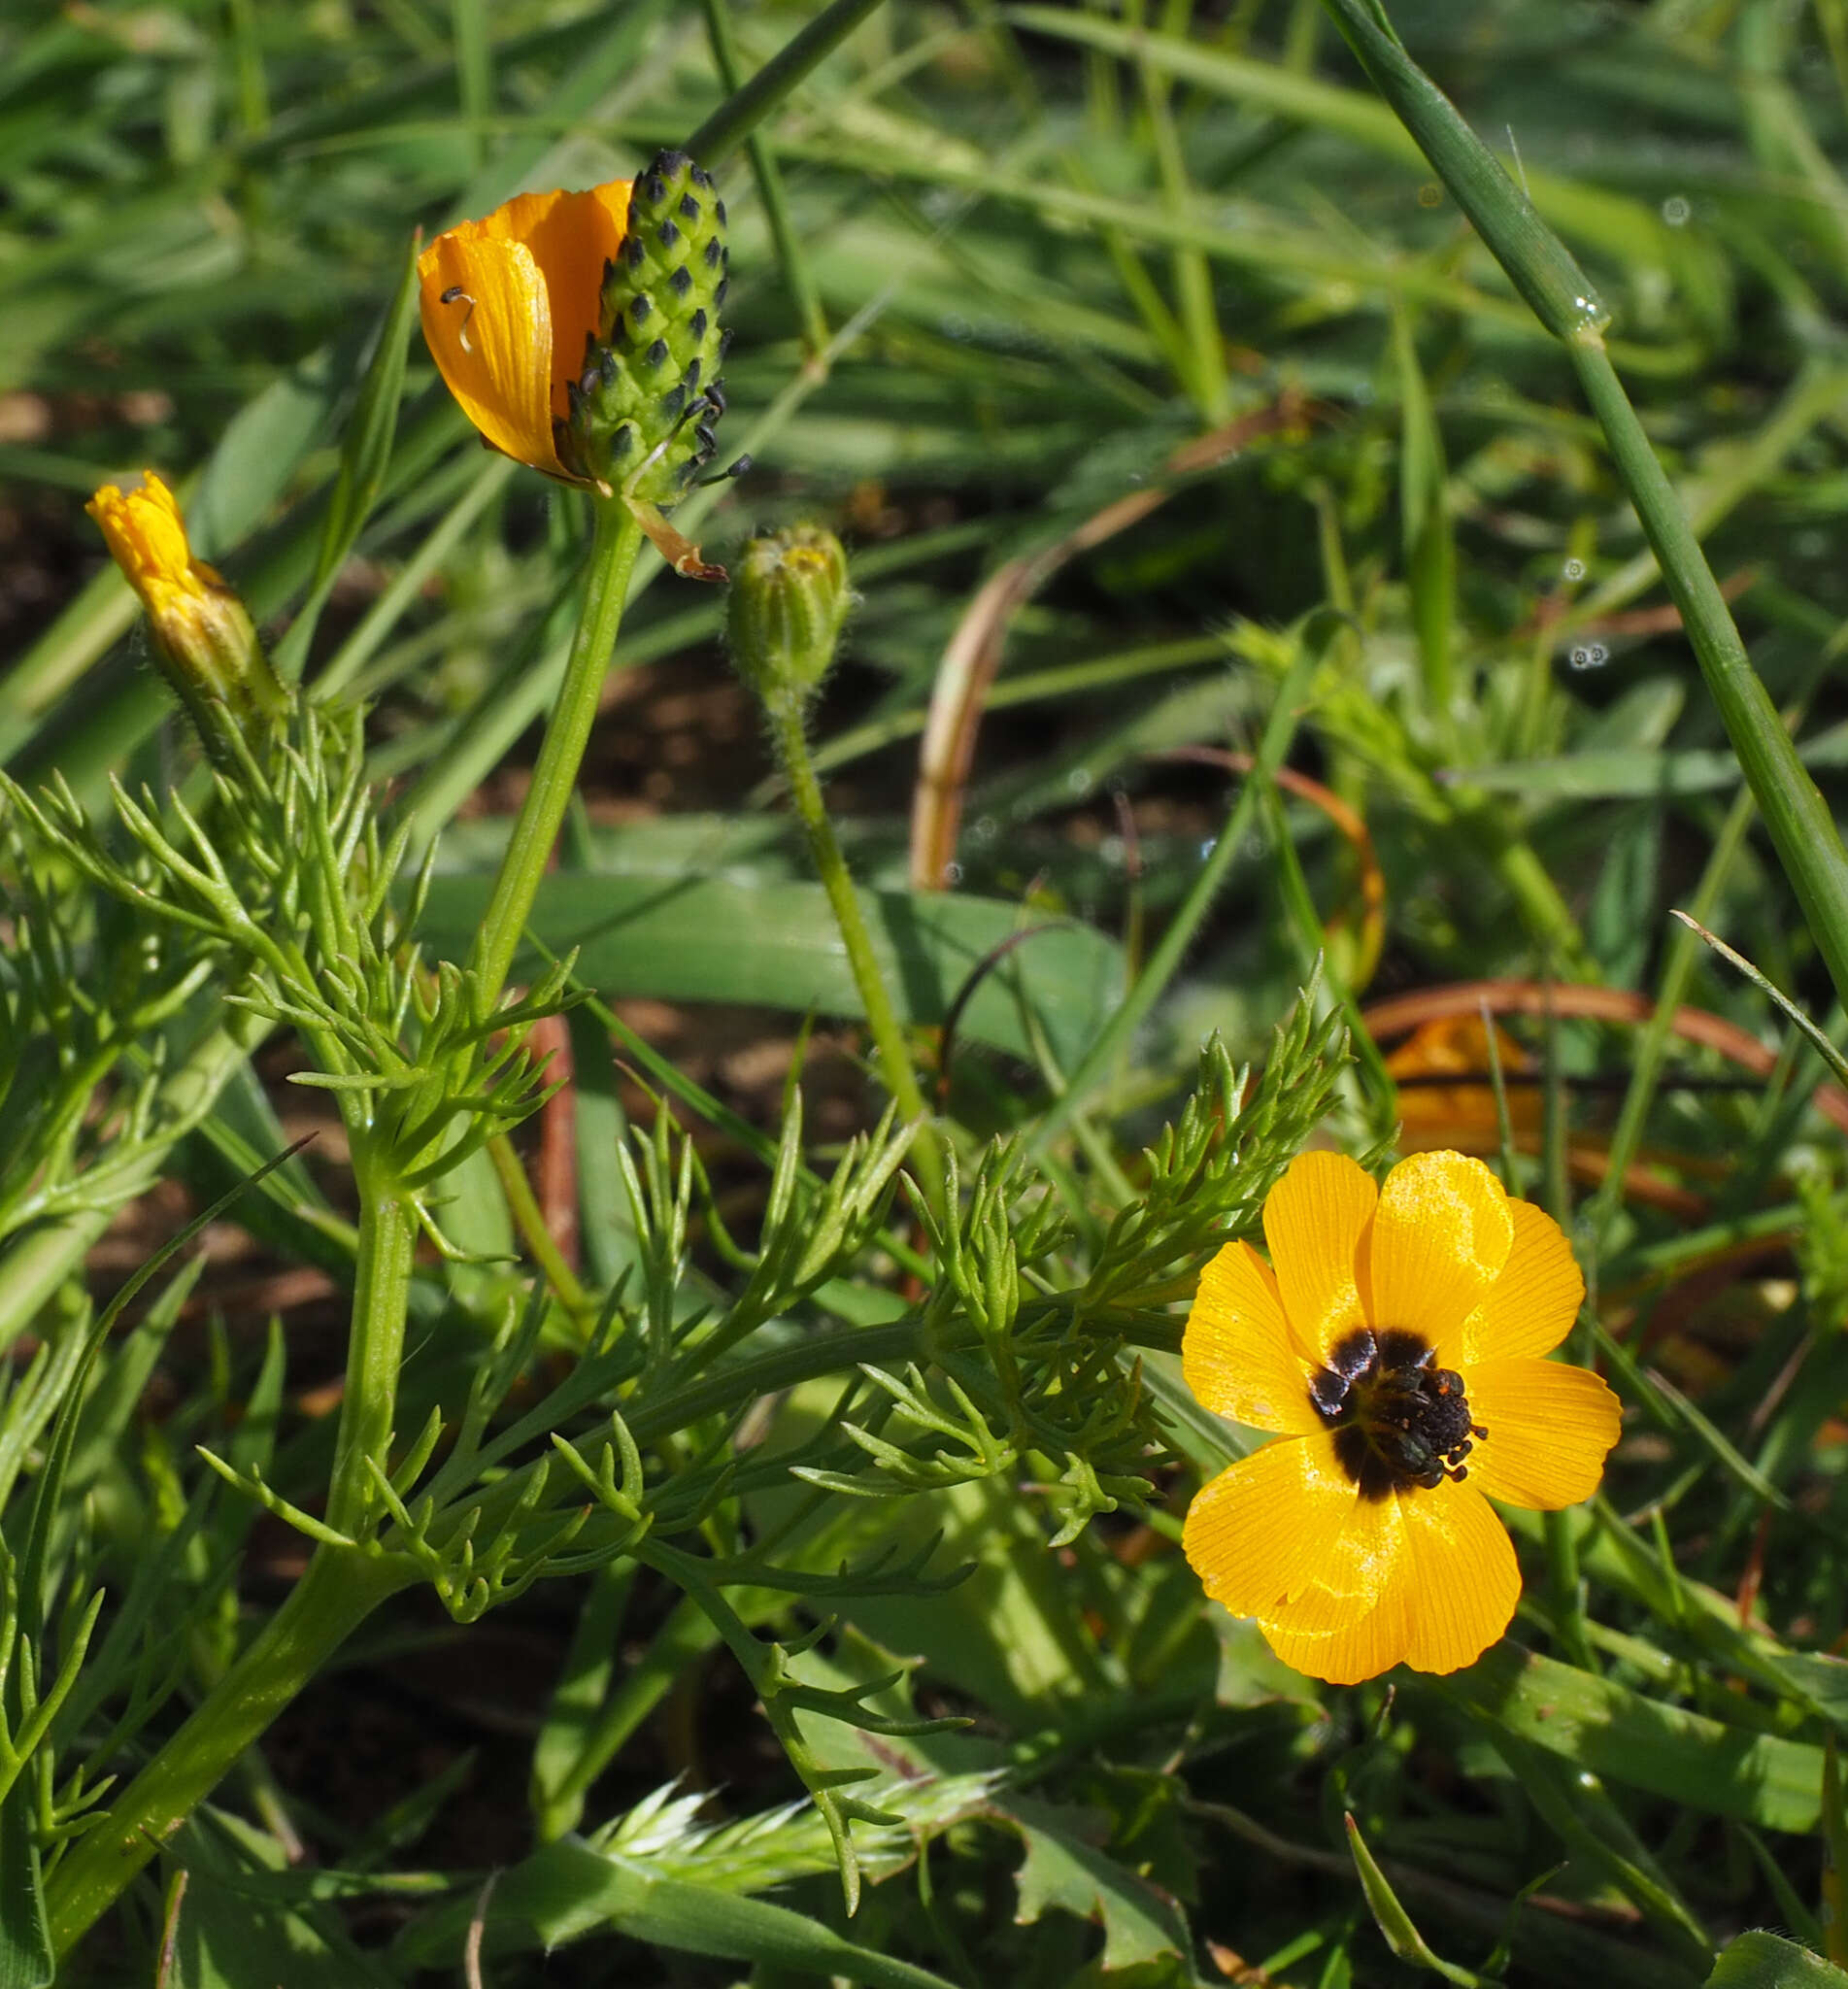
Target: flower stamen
column 1398, row 1420
column 456, row 294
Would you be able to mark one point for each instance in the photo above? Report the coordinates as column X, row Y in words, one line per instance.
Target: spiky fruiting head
column 643, row 410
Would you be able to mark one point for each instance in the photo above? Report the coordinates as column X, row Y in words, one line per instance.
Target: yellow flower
column 509, row 304
column 203, row 633
column 1394, row 1343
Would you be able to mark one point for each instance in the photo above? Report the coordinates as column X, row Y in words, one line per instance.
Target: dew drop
column 1573, row 569
column 1589, row 656
column 1676, row 210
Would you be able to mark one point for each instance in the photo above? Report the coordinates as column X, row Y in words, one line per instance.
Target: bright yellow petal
column 1462, row 1578
column 1237, row 1354
column 491, row 340
column 1257, row 1534
column 1440, row 1237
column 1550, row 1429
column 145, row 535
column 1530, row 1307
column 1354, row 1621
column 1314, row 1222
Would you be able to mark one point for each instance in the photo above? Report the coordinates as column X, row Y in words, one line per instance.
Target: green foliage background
column 992, row 269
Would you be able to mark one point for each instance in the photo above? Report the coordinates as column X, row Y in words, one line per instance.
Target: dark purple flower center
column 1398, row 1419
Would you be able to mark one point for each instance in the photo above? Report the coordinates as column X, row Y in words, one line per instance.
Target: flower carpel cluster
column 1398, row 1418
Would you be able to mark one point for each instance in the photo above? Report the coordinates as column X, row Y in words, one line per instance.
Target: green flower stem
column 338, row 1591
column 1543, row 270
column 340, row 1587
column 613, row 553
column 790, row 737
column 375, row 1352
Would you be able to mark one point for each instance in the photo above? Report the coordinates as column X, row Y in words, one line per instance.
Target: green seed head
column 643, row 410
column 788, row 604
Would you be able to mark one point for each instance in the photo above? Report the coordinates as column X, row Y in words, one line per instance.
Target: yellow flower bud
column 204, row 638
column 788, row 604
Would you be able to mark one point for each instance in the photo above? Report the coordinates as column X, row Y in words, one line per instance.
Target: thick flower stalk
column 1396, row 1343
column 203, row 634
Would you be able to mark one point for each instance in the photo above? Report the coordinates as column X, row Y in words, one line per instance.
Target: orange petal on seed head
column 1530, row 1307
column 1258, row 1533
column 1440, row 1238
column 1550, row 1429
column 1314, row 1220
column 491, row 340
column 528, row 281
column 1236, row 1353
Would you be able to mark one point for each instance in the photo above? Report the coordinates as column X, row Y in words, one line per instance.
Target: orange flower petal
column 570, row 236
column 1550, row 1429
column 1354, row 1621
column 1258, row 1532
column 1462, row 1578
column 1440, row 1238
column 1237, row 1354
column 491, row 340
column 1314, row 1220
column 524, row 290
column 1530, row 1307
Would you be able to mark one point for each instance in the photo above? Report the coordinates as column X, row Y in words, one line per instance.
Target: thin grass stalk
column 1545, row 273
column 746, row 108
column 771, row 191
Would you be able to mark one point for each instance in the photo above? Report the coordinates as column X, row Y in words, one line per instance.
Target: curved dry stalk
column 973, row 656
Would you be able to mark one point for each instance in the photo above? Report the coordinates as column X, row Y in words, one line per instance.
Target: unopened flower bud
column 203, row 634
column 788, row 604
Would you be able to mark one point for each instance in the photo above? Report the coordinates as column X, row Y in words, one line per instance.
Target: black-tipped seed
column 697, row 325
column 633, row 252
column 609, row 268
column 706, row 439
column 720, row 294
column 656, row 188
column 724, row 343
column 682, row 280
column 699, row 176
column 672, row 163
column 688, row 208
column 673, row 401
column 713, row 252
column 716, row 397
column 639, row 310
column 668, row 235
column 657, row 354
column 621, row 442
column 719, row 211
column 693, row 375
column 606, row 367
